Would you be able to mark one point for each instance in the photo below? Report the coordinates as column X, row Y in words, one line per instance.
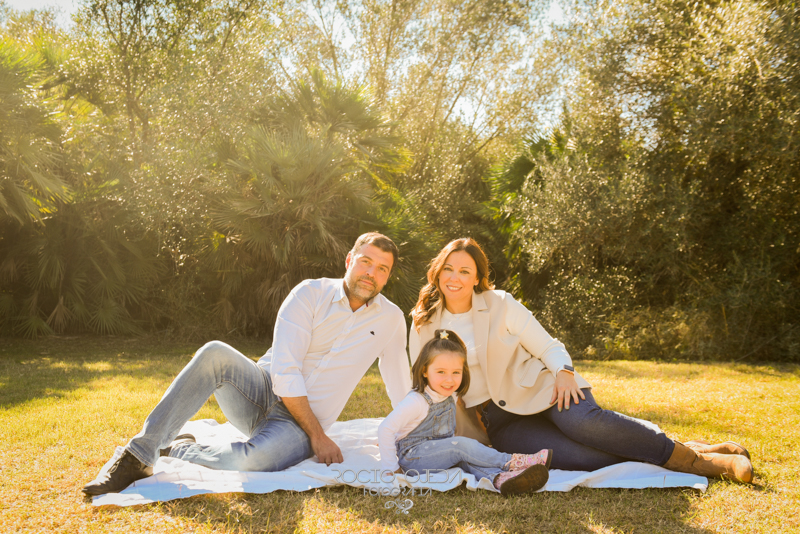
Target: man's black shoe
column 125, row 471
column 183, row 438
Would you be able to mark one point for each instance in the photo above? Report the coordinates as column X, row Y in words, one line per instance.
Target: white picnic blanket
column 358, row 440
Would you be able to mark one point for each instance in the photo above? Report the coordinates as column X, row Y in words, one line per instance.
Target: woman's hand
column 566, row 387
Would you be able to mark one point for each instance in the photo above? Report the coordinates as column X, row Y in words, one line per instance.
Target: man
column 327, row 334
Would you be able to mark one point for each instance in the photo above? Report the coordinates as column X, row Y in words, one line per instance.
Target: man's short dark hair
column 377, row 240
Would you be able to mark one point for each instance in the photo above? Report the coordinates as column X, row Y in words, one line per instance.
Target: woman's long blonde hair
column 430, row 297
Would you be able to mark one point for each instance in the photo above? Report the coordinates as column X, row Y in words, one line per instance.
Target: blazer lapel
column 480, row 322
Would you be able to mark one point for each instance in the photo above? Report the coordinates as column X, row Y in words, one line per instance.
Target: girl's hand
column 566, row 387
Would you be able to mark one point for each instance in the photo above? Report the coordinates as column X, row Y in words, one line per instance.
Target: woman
column 525, row 394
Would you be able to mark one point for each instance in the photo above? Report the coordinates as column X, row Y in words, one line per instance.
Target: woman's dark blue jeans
column 583, row 438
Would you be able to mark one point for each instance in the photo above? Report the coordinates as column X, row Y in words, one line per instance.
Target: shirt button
column 502, row 403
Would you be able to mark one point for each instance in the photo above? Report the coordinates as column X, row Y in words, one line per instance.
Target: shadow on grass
column 581, row 510
column 350, row 510
column 280, row 511
column 56, row 366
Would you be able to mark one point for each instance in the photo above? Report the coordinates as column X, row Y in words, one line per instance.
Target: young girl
column 419, row 433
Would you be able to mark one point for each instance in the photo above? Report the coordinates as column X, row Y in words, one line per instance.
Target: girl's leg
column 458, row 451
column 611, row 432
column 531, row 433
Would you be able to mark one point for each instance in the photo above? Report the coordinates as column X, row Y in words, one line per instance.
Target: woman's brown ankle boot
column 733, row 466
column 726, row 447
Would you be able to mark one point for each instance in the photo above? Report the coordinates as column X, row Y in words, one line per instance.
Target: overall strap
column 427, row 398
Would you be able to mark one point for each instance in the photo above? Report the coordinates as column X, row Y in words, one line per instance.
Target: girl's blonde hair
column 430, row 297
column 443, row 341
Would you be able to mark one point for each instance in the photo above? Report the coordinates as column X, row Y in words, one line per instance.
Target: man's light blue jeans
column 244, row 393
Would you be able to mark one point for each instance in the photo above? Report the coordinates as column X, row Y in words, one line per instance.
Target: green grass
column 65, row 403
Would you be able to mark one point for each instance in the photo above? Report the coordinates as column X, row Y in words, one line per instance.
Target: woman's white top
column 461, row 324
column 404, row 418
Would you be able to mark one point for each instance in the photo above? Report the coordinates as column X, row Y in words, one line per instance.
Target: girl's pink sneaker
column 522, row 480
column 522, row 461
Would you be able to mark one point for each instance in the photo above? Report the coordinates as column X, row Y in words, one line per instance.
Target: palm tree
column 300, row 191
column 67, row 260
column 30, row 157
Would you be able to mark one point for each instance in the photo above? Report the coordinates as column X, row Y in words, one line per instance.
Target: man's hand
column 326, row 450
column 566, row 388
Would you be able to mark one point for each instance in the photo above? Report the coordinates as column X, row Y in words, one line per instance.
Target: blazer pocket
column 529, row 372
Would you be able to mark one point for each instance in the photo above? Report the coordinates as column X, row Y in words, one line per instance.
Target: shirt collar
column 375, row 302
column 435, row 397
column 341, row 296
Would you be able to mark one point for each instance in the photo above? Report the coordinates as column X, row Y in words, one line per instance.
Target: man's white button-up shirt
column 321, row 347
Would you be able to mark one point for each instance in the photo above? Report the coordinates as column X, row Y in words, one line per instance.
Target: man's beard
column 361, row 292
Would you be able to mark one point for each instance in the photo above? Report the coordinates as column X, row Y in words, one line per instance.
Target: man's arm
column 290, row 344
column 290, row 341
column 324, row 447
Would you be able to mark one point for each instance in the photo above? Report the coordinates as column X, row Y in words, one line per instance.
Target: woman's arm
column 539, row 343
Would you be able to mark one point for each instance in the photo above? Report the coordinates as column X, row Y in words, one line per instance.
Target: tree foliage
column 458, row 79
column 30, row 141
column 178, row 165
column 672, row 225
column 300, row 185
column 67, row 258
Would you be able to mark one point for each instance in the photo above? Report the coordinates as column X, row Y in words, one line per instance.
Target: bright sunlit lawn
column 65, row 403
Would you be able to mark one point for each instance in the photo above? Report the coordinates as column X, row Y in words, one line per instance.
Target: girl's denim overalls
column 433, row 445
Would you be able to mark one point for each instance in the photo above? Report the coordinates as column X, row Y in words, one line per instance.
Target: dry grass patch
column 66, row 403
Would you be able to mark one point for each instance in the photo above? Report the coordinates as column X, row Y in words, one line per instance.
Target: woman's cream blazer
column 517, row 355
